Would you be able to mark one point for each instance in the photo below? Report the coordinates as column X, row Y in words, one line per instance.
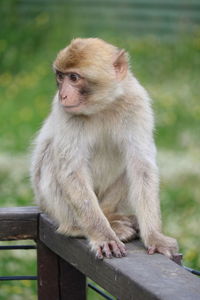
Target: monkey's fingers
column 99, row 254
column 164, row 245
column 106, row 250
column 118, row 249
column 110, row 249
column 169, row 252
column 151, row 250
column 103, row 250
column 165, row 251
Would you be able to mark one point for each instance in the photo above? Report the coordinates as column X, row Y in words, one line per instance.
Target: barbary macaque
column 94, row 166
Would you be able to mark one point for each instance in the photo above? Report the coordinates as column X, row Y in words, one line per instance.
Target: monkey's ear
column 121, row 64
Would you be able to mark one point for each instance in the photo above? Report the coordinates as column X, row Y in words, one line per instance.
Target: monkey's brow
column 68, row 73
column 59, row 72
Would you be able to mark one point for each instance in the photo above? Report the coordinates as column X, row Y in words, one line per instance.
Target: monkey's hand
column 162, row 244
column 108, row 248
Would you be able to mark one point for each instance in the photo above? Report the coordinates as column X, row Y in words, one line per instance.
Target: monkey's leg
column 66, row 194
column 78, row 193
column 125, row 226
column 144, row 183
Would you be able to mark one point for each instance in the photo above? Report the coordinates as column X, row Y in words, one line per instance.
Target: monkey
column 94, row 169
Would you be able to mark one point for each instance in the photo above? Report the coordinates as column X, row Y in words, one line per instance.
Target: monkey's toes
column 128, row 221
column 134, row 223
column 124, row 231
column 110, row 249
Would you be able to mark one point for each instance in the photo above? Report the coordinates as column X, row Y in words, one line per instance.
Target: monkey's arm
column 77, row 189
column 143, row 178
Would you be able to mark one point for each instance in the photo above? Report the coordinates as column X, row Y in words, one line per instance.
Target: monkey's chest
column 106, row 165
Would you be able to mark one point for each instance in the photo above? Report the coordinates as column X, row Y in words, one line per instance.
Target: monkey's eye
column 60, row 75
column 74, row 77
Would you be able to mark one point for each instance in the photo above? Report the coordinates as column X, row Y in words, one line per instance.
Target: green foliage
column 168, row 69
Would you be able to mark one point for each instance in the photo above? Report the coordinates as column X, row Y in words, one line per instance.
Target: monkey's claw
column 110, row 249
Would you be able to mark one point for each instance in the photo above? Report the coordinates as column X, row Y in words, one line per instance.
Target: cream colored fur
column 103, row 161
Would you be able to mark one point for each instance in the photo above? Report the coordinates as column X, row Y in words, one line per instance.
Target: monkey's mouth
column 71, row 106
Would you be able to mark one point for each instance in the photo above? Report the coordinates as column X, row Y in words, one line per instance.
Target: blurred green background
column 164, row 45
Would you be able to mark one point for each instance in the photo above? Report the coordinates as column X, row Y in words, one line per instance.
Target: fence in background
column 162, row 17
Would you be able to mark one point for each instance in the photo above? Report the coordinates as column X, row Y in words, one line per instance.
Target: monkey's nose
column 63, row 97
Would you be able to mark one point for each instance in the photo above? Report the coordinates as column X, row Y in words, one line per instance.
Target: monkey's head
column 90, row 75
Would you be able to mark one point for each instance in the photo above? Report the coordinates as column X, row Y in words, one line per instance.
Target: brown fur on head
column 82, row 53
column 89, row 54
column 101, row 67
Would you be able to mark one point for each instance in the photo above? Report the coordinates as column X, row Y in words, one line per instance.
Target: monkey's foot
column 125, row 227
column 163, row 244
column 108, row 249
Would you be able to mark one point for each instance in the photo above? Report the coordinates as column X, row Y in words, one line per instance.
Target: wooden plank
column 136, row 277
column 18, row 223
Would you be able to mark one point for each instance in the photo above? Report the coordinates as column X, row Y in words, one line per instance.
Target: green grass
column 168, row 69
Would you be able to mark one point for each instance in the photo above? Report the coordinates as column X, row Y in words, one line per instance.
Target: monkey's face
column 73, row 91
column 84, row 96
column 88, row 76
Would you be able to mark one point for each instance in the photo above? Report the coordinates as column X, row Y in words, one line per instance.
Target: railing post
column 72, row 282
column 57, row 279
column 48, row 273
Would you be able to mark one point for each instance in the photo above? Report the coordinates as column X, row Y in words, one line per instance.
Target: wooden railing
column 64, row 263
